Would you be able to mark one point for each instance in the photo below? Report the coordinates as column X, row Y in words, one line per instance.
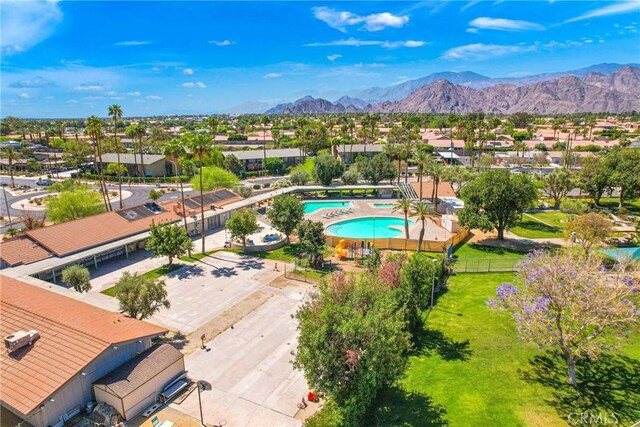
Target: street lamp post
column 433, row 282
column 6, row 201
column 202, row 386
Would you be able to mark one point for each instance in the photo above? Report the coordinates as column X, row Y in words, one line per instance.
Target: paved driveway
column 250, row 370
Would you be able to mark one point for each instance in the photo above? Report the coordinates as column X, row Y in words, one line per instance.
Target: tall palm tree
column 141, row 131
column 95, row 130
column 212, row 124
column 11, row 154
column 404, row 205
column 174, row 150
column 115, row 111
column 421, row 159
column 200, row 146
column 264, row 121
column 436, row 170
column 422, row 211
column 131, row 132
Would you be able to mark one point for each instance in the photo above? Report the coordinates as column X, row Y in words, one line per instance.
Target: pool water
column 368, row 228
column 383, row 205
column 311, row 207
column 623, row 253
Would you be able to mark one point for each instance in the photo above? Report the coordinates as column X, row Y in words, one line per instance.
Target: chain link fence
column 484, row 265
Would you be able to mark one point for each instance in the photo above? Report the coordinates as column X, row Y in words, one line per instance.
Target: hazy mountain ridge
column 591, row 92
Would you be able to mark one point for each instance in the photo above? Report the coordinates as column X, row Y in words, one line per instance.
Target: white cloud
column 272, row 75
column 133, row 93
column 613, row 9
column 469, row 4
column 191, row 85
column 188, row 71
column 89, row 87
column 480, row 51
column 358, row 43
column 334, row 57
column 153, row 97
column 504, row 24
column 34, row 82
column 221, row 42
column 25, row 95
column 133, row 43
column 27, row 23
column 340, row 20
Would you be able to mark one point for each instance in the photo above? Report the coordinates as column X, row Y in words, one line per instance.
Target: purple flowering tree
column 568, row 301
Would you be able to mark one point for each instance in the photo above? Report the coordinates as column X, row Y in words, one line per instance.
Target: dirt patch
column 166, row 414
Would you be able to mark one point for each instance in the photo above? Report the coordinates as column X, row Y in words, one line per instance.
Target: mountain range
column 599, row 88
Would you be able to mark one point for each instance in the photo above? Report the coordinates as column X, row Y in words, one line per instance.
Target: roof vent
column 20, row 339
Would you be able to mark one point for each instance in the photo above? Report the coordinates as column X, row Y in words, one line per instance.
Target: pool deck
column 366, row 209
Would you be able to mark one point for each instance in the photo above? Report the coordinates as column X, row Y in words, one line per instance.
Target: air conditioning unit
column 20, row 339
column 213, row 207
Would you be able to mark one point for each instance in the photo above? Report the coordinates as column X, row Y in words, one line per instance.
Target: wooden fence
column 400, row 244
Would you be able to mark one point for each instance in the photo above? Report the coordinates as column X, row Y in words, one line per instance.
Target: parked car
column 44, row 182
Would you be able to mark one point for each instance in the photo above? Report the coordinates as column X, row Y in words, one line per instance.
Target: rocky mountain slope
column 592, row 92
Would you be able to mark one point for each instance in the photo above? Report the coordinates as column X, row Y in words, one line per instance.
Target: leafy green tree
column 233, row 164
column 564, row 301
column 140, row 296
column 242, row 224
column 244, row 191
column 376, row 169
column 327, row 168
column 458, row 177
column 70, row 205
column 557, row 184
column 76, row 153
column 155, row 194
column 573, row 207
column 77, row 277
column 352, row 343
column 275, row 166
column 170, row 240
column 594, row 177
column 351, row 176
column 496, row 200
column 213, row 178
column 299, row 177
column 311, row 235
column 589, row 229
column 286, row 213
column 416, row 278
column 624, row 168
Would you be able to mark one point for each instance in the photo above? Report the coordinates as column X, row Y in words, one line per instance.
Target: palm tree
column 115, row 111
column 264, row 121
column 404, row 205
column 200, row 146
column 131, row 132
column 212, row 124
column 140, row 132
column 421, row 159
column 591, row 123
column 11, row 154
column 436, row 170
column 95, row 130
column 422, row 211
column 174, row 150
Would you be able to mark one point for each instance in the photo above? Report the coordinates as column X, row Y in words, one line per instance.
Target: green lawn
column 633, row 206
column 541, row 225
column 287, row 253
column 475, row 258
column 153, row 274
column 470, row 369
column 475, row 251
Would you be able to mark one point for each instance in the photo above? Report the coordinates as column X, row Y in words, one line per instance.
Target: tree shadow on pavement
column 223, row 272
column 606, row 386
column 176, row 339
column 187, row 272
column 397, row 407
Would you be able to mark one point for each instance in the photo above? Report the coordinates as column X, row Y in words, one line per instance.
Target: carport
column 134, row 386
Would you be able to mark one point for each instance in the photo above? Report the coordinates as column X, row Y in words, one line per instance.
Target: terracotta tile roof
column 137, row 371
column 73, row 236
column 444, row 189
column 72, row 335
column 22, row 250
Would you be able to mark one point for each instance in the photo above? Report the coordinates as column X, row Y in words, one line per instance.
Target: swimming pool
column 623, row 253
column 368, row 228
column 383, row 205
column 311, row 207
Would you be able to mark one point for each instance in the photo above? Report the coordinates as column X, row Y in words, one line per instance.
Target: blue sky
column 73, row 59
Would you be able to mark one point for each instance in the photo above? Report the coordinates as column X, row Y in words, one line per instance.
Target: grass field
column 471, row 369
column 541, row 225
column 475, row 258
column 152, row 274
